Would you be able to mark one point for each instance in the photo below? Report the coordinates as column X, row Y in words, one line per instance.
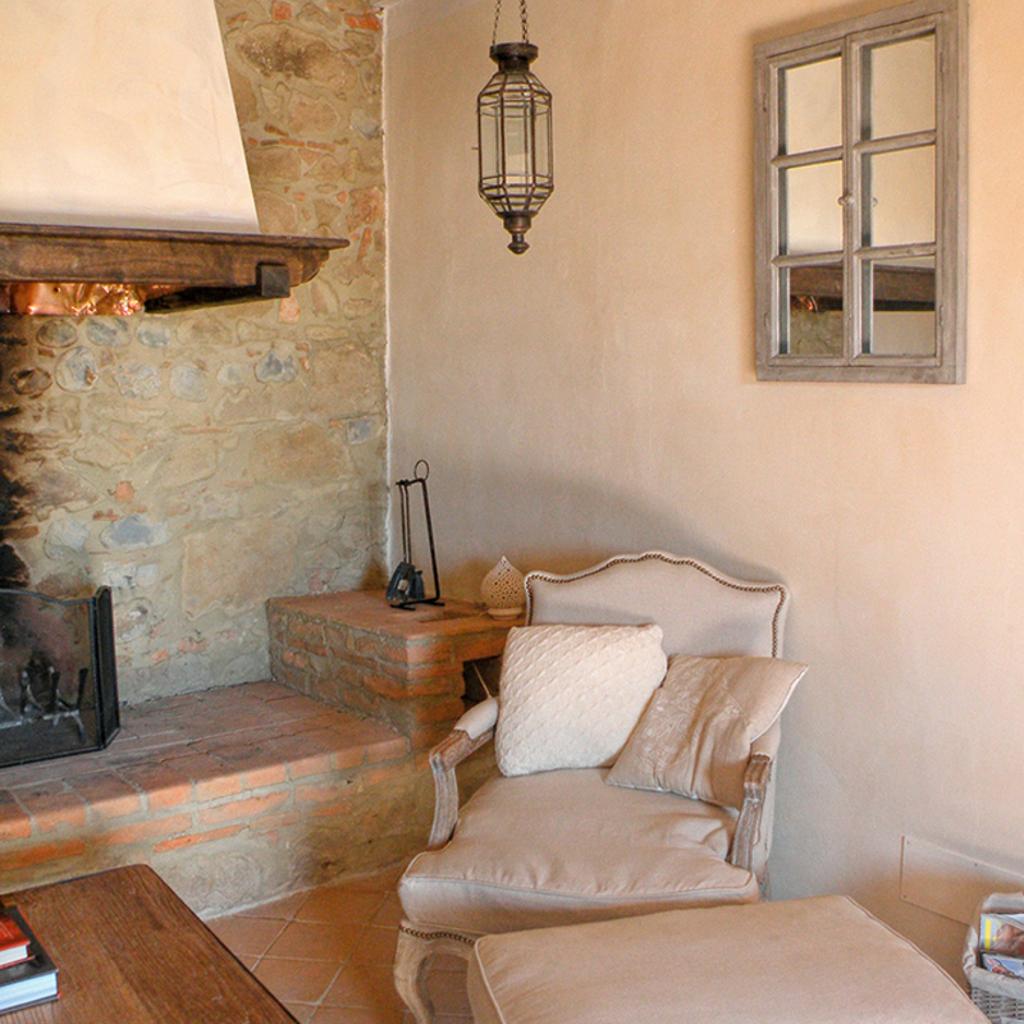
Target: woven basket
column 1000, row 998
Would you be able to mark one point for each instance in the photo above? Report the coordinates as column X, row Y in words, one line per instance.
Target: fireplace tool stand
column 406, row 590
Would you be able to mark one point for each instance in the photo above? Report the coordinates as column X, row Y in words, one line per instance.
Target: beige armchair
column 563, row 847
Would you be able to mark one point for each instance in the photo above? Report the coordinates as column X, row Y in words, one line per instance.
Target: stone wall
column 201, row 462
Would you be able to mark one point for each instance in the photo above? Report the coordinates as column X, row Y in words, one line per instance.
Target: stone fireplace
column 198, row 463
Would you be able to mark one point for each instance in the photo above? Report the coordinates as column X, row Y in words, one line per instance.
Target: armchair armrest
column 472, row 731
column 749, row 826
column 478, row 719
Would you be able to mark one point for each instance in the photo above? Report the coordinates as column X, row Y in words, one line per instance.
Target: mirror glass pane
column 899, row 196
column 899, row 81
column 811, row 98
column 899, row 315
column 813, row 308
column 812, row 218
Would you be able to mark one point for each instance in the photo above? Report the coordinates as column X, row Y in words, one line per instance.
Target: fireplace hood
column 123, row 182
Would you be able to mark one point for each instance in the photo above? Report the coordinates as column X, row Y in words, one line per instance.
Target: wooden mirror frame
column 847, row 38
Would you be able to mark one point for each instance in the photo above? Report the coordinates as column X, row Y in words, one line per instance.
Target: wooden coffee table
column 130, row 952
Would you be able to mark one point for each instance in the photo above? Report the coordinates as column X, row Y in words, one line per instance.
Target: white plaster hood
column 119, row 113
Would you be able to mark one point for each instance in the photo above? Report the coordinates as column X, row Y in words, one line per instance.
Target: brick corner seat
column 791, row 962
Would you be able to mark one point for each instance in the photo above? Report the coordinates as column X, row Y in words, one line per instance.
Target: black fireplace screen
column 58, row 677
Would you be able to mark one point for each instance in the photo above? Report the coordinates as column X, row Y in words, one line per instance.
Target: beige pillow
column 571, row 695
column 695, row 737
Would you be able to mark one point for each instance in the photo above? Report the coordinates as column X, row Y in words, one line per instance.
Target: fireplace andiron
column 406, row 590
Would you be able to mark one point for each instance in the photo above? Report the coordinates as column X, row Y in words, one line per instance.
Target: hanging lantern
column 514, row 123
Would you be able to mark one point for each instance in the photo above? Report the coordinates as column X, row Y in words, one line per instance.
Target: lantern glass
column 514, row 117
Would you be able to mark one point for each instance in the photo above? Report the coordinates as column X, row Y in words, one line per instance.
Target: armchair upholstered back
column 702, row 611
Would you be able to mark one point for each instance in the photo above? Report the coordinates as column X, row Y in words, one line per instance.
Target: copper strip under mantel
column 79, row 271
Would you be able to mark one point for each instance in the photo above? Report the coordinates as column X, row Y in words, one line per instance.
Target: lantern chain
column 523, row 18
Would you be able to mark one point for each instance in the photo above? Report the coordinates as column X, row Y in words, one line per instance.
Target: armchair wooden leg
column 416, row 946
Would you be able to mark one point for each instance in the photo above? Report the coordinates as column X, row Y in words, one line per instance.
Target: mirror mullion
column 810, row 259
column 852, row 222
column 912, row 140
column 774, row 101
column 897, row 252
column 786, row 161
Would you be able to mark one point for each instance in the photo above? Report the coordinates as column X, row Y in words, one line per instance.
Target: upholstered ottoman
column 819, row 961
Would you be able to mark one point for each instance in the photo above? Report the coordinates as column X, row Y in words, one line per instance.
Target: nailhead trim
column 749, row 588
column 417, row 934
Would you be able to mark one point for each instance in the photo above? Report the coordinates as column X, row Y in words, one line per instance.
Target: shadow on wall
column 574, row 524
column 544, row 521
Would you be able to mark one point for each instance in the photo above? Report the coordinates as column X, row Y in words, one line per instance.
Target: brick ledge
column 238, row 771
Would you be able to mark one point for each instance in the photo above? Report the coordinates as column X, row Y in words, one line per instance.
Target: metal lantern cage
column 515, row 139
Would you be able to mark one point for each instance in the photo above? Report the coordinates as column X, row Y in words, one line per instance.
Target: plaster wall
column 598, row 395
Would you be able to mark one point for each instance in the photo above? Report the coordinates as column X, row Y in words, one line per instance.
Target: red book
column 14, row 942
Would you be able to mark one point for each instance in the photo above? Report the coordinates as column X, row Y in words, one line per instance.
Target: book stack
column 27, row 975
column 1002, row 943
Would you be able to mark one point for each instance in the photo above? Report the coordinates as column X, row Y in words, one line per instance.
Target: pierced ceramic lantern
column 503, row 591
column 515, row 139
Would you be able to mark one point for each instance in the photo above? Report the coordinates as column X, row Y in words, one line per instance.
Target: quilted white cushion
column 571, row 695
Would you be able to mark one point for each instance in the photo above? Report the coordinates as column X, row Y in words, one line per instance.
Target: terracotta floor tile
column 379, row 882
column 390, row 876
column 365, row 987
column 278, row 910
column 351, row 1015
column 376, row 946
column 303, row 981
column 389, row 914
column 332, row 905
column 407, row 1018
column 328, row 964
column 246, row 936
column 307, row 940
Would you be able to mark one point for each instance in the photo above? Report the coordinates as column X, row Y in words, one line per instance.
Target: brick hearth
column 403, row 668
column 234, row 795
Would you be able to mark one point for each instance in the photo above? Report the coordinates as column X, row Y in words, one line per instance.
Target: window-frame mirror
column 860, row 199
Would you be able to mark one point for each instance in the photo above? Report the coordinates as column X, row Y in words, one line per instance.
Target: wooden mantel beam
column 202, row 268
